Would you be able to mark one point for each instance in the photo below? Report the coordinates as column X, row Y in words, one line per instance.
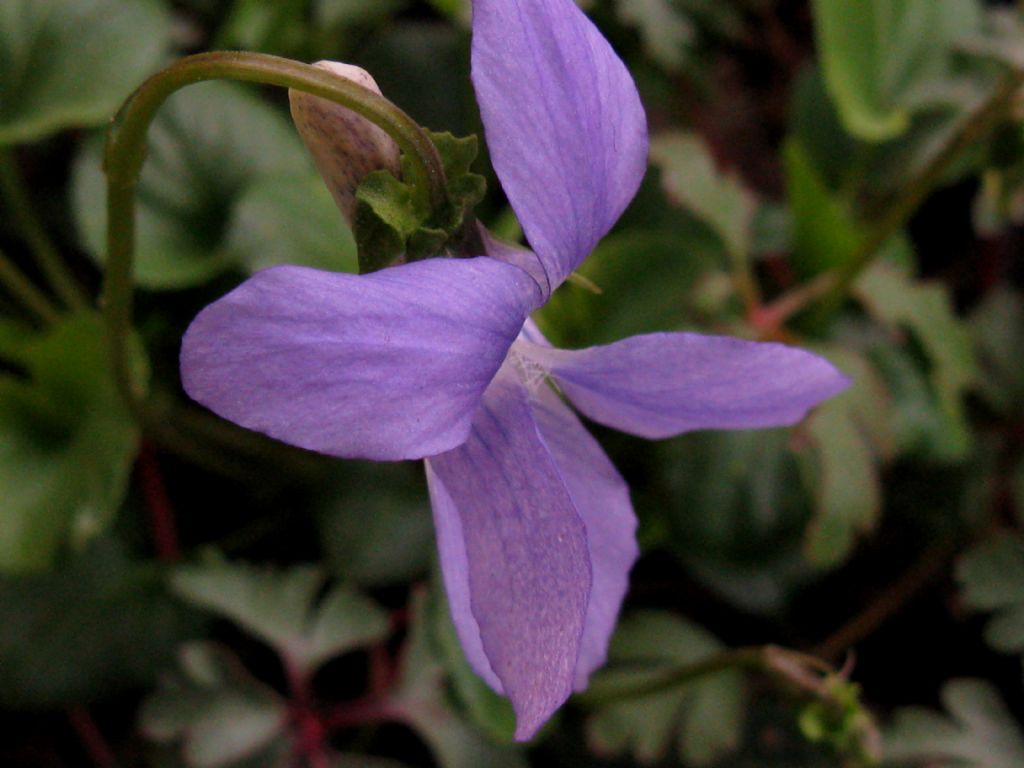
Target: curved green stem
column 25, row 292
column 34, row 232
column 126, row 151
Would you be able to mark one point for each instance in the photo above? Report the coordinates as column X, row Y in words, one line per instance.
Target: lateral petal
column 601, row 497
column 386, row 366
column 519, row 585
column 662, row 384
column 564, row 124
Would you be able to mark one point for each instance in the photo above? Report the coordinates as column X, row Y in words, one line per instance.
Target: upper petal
column 385, row 366
column 514, row 555
column 601, row 497
column 661, row 384
column 564, row 124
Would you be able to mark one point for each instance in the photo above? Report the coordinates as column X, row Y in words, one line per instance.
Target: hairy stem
column 126, row 150
column 34, row 232
column 26, row 293
column 932, row 564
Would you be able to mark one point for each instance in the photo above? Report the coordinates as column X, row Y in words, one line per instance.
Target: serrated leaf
column 925, row 309
column 876, row 52
column 420, row 698
column 65, row 64
column 667, row 34
column 209, row 144
column 67, row 443
column 488, row 710
column 704, row 718
column 59, row 644
column 849, row 433
column 991, row 577
column 915, row 420
column 997, row 326
column 691, row 179
column 216, row 710
column 281, row 608
column 979, row 732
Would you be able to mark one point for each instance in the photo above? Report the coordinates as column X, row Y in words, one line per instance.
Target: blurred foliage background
column 848, row 176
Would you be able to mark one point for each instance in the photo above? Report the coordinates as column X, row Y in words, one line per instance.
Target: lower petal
column 662, row 384
column 519, row 584
column 602, row 498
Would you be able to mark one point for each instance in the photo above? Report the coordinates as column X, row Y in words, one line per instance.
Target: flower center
column 530, row 372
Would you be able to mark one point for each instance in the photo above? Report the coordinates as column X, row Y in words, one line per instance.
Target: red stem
column 158, row 503
column 92, row 741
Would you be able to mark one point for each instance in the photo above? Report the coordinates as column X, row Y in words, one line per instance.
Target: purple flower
column 436, row 359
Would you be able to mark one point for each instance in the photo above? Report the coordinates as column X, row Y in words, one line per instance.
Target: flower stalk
column 126, row 151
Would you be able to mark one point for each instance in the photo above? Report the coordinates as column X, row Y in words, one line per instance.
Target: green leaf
column 420, row 696
column 818, row 132
column 703, row 717
column 375, row 527
column 216, row 710
column 916, row 422
column 208, row 146
column 667, row 33
column 991, row 577
column 997, row 326
column 875, row 53
column 67, row 443
column 263, row 230
column 488, row 710
column 281, row 608
column 848, row 432
column 60, row 642
column 65, row 64
column 979, row 733
column 258, row 26
column 691, row 179
column 736, row 510
column 824, row 233
column 649, row 281
column 926, row 310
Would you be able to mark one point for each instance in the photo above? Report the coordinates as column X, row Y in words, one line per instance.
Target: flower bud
column 345, row 146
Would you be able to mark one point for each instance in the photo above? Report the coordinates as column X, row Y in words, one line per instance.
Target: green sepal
column 465, row 188
column 389, row 228
column 385, row 220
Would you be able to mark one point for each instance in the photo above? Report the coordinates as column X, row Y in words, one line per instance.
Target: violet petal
column 661, row 384
column 602, row 500
column 384, row 366
column 563, row 121
column 525, row 570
